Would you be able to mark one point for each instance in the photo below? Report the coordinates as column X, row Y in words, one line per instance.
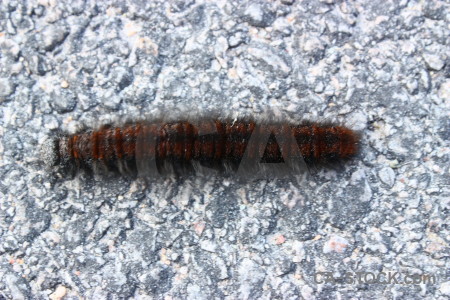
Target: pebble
column 10, row 48
column 307, row 292
column 319, row 88
column 112, row 102
column 445, row 288
column 279, row 239
column 274, row 61
column 59, row 293
column 412, row 86
column 236, row 39
column 64, row 84
column 64, row 104
column 52, row 35
column 444, row 90
column 387, row 176
column 208, row 245
column 433, row 61
column 335, row 244
column 10, row 244
column 6, row 88
column 258, row 16
column 37, row 65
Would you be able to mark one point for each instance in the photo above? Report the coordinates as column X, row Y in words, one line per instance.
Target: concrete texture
column 381, row 67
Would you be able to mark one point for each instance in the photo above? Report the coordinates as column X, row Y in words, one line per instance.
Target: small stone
column 63, row 103
column 122, row 78
column 435, row 10
column 236, row 39
column 445, row 288
column 433, row 61
column 258, row 16
column 312, row 44
column 412, row 86
column 16, row 68
column 282, row 26
column 64, row 84
column 10, row 244
column 52, row 36
column 59, row 293
column 10, row 48
column 425, row 79
column 39, row 10
column 251, row 275
column 387, row 176
column 273, row 61
column 335, row 244
column 89, row 64
column 307, row 292
column 284, row 267
column 174, row 256
column 320, row 87
column 434, row 247
column 207, row 245
column 193, row 291
column 444, row 90
column 77, row 7
column 6, row 88
column 86, row 102
column 112, row 102
column 10, row 28
column 199, row 227
column 180, row 5
column 314, row 47
column 50, row 122
column 37, row 65
column 279, row 239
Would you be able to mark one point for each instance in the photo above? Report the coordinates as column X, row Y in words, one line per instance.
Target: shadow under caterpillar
column 239, row 147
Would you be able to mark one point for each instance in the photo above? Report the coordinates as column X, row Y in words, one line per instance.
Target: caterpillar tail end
column 49, row 153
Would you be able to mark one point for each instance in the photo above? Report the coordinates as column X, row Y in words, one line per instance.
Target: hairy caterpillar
column 226, row 146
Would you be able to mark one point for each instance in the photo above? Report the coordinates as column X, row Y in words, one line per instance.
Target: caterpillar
column 225, row 146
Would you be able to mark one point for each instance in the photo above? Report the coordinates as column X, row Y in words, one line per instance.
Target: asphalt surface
column 379, row 67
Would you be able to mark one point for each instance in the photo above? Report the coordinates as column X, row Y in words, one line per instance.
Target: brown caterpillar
column 145, row 148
